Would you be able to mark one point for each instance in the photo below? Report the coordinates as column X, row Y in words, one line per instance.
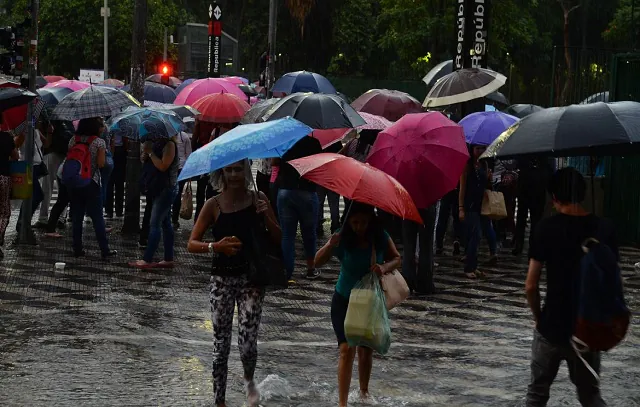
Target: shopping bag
column 21, row 180
column 367, row 320
column 395, row 287
column 493, row 205
column 186, row 203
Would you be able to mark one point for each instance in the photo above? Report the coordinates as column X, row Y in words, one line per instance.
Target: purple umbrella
column 484, row 127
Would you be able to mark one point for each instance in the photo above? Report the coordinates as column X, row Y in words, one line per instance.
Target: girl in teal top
column 353, row 246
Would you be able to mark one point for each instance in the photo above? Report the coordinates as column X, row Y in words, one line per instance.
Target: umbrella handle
column 346, row 215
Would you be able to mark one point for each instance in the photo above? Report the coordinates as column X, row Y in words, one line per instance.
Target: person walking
column 163, row 187
column 354, row 246
column 203, row 134
column 88, row 199
column 419, row 276
column 473, row 182
column 448, row 209
column 235, row 216
column 557, row 247
column 115, row 189
column 183, row 145
column 8, row 153
column 61, row 133
column 298, row 203
column 332, row 197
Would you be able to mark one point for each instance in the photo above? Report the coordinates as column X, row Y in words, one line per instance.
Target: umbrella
column 490, row 108
column 317, row 110
column 484, row 127
column 425, row 152
column 221, row 108
column 112, row 82
column 498, row 97
column 95, row 101
column 253, row 141
column 69, row 84
column 157, row 78
column 12, row 97
column 598, row 97
column 303, row 81
column 236, row 80
column 521, row 111
column 136, row 123
column 41, row 82
column 8, row 84
column 374, row 122
column 437, row 72
column 577, row 130
column 156, row 92
column 54, row 78
column 184, row 84
column 204, row 87
column 257, row 111
column 344, row 97
column 358, row 182
column 53, row 96
column 464, row 85
column 17, row 116
column 248, row 90
column 390, row 104
column 182, row 111
column 331, row 136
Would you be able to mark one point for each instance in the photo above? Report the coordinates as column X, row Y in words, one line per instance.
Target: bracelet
column 210, row 247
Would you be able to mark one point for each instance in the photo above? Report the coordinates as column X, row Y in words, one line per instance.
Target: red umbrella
column 359, row 182
column 54, row 78
column 390, row 104
column 426, row 152
column 221, row 108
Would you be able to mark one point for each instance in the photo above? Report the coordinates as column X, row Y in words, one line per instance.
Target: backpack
column 62, row 134
column 602, row 315
column 76, row 170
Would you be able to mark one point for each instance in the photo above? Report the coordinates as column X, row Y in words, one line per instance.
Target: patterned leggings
column 225, row 292
column 5, row 205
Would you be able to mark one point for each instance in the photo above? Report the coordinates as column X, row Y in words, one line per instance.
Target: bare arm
column 168, row 154
column 532, row 288
column 271, row 221
column 463, row 188
column 101, row 159
column 324, row 254
column 205, row 219
column 391, row 257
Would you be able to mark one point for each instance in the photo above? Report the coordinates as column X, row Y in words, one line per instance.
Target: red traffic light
column 164, row 69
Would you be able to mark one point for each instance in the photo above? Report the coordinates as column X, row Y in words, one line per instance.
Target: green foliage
column 353, row 31
column 619, row 32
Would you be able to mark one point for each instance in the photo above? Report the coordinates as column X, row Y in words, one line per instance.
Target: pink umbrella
column 332, row 136
column 54, row 78
column 69, row 84
column 425, row 152
column 204, row 87
column 236, row 80
column 374, row 122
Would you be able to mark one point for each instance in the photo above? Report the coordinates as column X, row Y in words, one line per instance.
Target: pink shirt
column 274, row 173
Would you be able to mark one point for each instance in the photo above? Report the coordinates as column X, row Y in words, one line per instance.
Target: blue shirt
column 355, row 263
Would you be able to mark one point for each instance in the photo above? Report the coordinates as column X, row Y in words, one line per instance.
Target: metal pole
column 26, row 235
column 106, row 39
column 271, row 52
column 164, row 53
column 633, row 24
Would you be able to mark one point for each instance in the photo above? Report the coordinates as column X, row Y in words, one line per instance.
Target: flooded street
column 101, row 334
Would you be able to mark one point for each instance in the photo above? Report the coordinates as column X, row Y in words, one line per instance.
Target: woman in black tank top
column 234, row 216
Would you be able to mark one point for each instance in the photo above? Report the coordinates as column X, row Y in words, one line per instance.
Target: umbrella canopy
column 253, row 141
column 136, row 123
column 221, row 108
column 425, row 152
column 597, row 97
column 69, row 84
column 184, row 84
column 464, row 85
column 54, row 78
column 204, row 87
column 112, row 82
column 257, row 111
column 317, row 110
column 521, row 111
column 359, row 182
column 182, row 111
column 390, row 104
column 8, row 84
column 344, row 97
column 248, row 90
column 437, row 72
column 483, row 128
column 498, row 97
column 53, row 96
column 374, row 122
column 95, row 101
column 41, row 82
column 156, row 92
column 12, row 97
column 157, row 78
column 577, row 130
column 236, row 80
column 303, row 81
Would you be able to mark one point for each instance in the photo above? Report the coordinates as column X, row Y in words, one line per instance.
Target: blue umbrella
column 156, row 92
column 484, row 127
column 253, row 141
column 303, row 81
column 184, row 84
column 138, row 123
column 53, row 96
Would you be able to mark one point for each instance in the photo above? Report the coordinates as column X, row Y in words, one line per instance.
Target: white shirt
column 183, row 148
column 37, row 152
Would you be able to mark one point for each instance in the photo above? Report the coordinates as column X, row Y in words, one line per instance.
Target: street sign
column 91, row 76
column 215, row 40
column 471, row 28
column 217, row 13
column 102, row 12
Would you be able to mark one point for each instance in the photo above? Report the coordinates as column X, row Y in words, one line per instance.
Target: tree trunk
column 138, row 60
column 566, row 11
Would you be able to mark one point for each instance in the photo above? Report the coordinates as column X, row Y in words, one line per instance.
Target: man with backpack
column 580, row 253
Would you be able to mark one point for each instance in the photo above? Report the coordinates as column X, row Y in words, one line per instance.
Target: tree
column 299, row 10
column 622, row 31
column 352, row 37
column 568, row 6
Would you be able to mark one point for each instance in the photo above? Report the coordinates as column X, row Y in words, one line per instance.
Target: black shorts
column 339, row 305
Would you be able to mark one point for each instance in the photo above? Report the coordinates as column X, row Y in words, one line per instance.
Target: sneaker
column 108, row 254
column 87, row 220
column 291, row 283
column 313, row 274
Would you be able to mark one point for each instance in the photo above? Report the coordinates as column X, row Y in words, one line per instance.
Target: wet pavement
column 102, row 334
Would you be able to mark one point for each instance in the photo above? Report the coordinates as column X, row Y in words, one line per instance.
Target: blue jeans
column 88, row 200
column 161, row 223
column 105, row 173
column 297, row 206
column 37, row 196
column 477, row 225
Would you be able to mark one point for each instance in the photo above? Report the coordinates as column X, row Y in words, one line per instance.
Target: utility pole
column 138, row 59
column 26, row 235
column 106, row 13
column 164, row 53
column 271, row 53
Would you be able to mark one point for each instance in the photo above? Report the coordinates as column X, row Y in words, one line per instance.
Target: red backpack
column 76, row 171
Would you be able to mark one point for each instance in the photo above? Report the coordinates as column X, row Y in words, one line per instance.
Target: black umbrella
column 53, row 96
column 580, row 130
column 498, row 97
column 464, row 85
column 12, row 97
column 437, row 72
column 156, row 92
column 182, row 111
column 521, row 111
column 41, row 82
column 248, row 90
column 596, row 97
column 257, row 111
column 344, row 97
column 317, row 110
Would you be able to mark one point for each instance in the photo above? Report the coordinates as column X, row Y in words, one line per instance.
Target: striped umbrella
column 95, row 101
column 464, row 85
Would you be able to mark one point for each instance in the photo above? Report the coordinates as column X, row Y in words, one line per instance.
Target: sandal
column 141, row 264
column 471, row 276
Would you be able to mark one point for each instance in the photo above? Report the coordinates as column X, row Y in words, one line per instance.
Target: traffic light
column 165, row 73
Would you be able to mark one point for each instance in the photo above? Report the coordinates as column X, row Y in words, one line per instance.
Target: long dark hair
column 375, row 231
